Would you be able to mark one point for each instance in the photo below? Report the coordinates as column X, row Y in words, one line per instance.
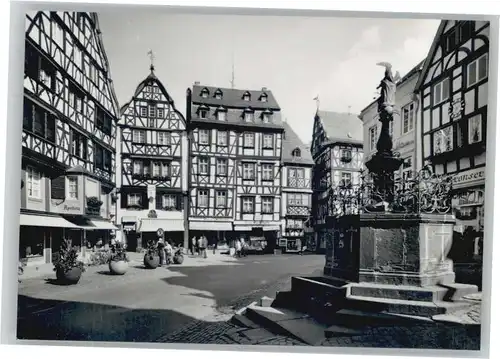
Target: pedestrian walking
column 244, row 247
column 198, row 245
column 204, row 245
column 193, row 245
column 237, row 248
column 299, row 246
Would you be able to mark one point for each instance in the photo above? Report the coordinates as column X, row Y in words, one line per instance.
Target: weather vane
column 152, row 59
column 317, row 101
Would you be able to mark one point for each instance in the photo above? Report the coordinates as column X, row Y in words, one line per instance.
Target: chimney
column 197, row 83
column 264, row 89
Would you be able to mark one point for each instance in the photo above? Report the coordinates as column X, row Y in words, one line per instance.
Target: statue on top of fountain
column 387, row 99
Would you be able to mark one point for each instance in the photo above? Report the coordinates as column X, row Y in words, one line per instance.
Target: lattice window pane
column 73, row 187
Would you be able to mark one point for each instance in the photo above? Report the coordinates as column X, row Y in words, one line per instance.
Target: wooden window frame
column 252, row 202
column 199, row 196
column 271, row 210
column 36, row 178
column 200, row 164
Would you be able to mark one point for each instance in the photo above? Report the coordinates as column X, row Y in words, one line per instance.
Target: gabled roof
column 429, row 58
column 234, row 98
column 290, row 142
column 151, row 78
column 341, row 127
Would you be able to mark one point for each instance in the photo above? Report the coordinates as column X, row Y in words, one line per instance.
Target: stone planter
column 69, row 277
column 118, row 267
column 178, row 259
column 151, row 261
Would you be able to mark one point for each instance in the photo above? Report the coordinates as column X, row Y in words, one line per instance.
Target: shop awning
column 129, row 219
column 45, row 221
column 271, row 228
column 102, row 224
column 211, row 226
column 242, row 228
column 168, row 225
column 266, row 228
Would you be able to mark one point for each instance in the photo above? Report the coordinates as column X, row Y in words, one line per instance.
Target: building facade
column 235, row 177
column 69, row 124
column 453, row 90
column 297, row 165
column 152, row 170
column 402, row 128
column 337, row 151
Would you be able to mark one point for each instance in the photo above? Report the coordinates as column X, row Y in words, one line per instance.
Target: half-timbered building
column 152, row 171
column 297, row 165
column 68, row 138
column 235, row 153
column 402, row 128
column 337, row 151
column 453, row 90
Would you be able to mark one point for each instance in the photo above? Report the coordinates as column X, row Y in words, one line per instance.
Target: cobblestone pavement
column 419, row 336
column 224, row 333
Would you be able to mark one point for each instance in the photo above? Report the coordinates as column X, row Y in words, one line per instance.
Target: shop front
column 41, row 235
column 173, row 229
column 218, row 233
column 468, row 206
column 129, row 234
column 260, row 238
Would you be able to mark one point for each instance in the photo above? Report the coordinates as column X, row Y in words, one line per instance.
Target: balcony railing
column 298, row 210
column 299, row 183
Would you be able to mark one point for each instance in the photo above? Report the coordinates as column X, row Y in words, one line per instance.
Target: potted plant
column 118, row 261
column 151, row 258
column 67, row 266
column 94, row 202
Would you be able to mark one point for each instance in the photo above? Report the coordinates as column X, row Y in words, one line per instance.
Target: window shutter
column 179, row 201
column 58, row 188
column 145, row 200
column 159, row 200
column 124, row 200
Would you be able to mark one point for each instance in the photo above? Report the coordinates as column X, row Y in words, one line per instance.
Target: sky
column 297, row 58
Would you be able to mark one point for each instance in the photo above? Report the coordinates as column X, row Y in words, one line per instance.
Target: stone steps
column 288, row 322
column 402, row 306
column 448, row 292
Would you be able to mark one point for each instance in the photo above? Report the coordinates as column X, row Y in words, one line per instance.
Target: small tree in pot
column 118, row 261
column 151, row 258
column 67, row 266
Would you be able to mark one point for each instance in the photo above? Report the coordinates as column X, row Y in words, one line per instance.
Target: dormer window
column 248, row 117
column 203, row 112
column 246, row 96
column 218, row 94
column 263, row 97
column 296, row 153
column 221, row 114
column 204, row 93
column 267, row 116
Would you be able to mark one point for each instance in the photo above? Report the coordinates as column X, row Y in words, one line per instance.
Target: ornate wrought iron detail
column 414, row 193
